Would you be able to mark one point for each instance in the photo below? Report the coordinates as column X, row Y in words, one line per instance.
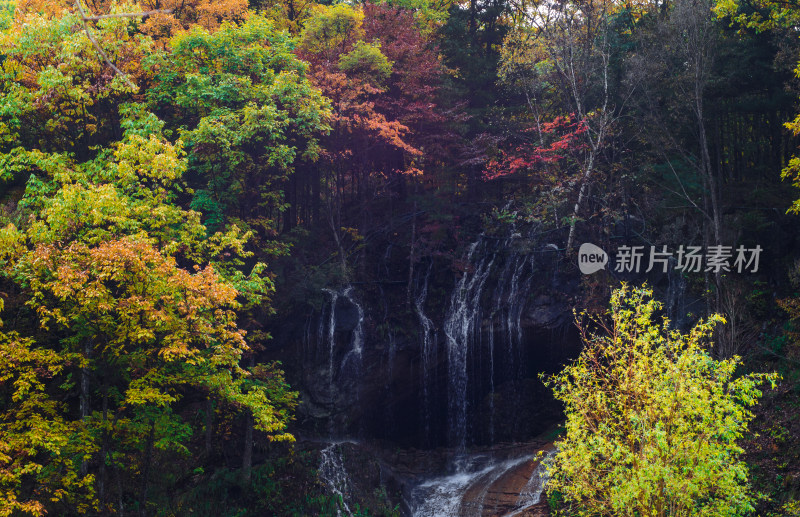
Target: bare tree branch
column 97, row 46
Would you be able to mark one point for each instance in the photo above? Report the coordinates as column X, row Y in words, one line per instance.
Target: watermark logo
column 688, row 259
column 591, row 258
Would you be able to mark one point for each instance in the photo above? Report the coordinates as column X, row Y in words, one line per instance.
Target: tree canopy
column 654, row 423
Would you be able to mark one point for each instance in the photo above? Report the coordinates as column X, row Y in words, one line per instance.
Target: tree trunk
column 84, row 394
column 316, row 199
column 101, row 477
column 581, row 193
column 247, row 456
column 148, row 459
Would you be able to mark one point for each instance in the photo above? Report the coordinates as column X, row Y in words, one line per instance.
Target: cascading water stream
column 466, row 397
column 534, row 488
column 497, row 304
column 510, row 296
column 351, row 364
column 502, row 352
column 334, row 475
column 467, row 492
column 461, row 324
column 428, row 351
column 503, row 328
column 331, row 468
column 518, row 294
column 516, row 301
column 331, row 336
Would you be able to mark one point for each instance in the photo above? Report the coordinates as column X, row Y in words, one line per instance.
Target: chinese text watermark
column 687, row 259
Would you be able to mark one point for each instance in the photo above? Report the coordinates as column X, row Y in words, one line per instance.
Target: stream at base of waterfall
column 483, row 484
column 502, row 480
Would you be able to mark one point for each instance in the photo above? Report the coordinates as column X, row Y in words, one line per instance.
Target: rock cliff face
column 426, row 391
column 449, row 359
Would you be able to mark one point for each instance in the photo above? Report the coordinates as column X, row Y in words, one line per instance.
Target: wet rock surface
column 502, row 480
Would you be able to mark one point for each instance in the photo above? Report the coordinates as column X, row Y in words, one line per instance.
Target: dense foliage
column 129, row 304
column 182, row 181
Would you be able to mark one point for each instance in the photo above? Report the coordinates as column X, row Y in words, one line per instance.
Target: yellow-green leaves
column 34, row 437
column 148, row 159
column 367, row 63
column 331, row 27
column 652, row 420
column 792, row 170
column 761, row 15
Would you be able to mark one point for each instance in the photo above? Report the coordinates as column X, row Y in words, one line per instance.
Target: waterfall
column 517, row 296
column 512, row 288
column 496, row 310
column 333, row 473
column 516, row 303
column 343, row 376
column 480, row 377
column 501, row 355
column 511, row 293
column 491, row 380
column 331, row 336
column 467, row 376
column 344, row 359
column 429, row 339
column 351, row 364
column 461, row 324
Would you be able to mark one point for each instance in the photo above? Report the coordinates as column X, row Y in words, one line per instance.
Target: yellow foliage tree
column 653, row 420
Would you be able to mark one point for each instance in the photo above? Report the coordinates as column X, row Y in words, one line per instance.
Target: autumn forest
column 400, row 257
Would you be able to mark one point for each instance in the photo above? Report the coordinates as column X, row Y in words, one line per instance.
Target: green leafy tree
column 248, row 113
column 653, row 420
